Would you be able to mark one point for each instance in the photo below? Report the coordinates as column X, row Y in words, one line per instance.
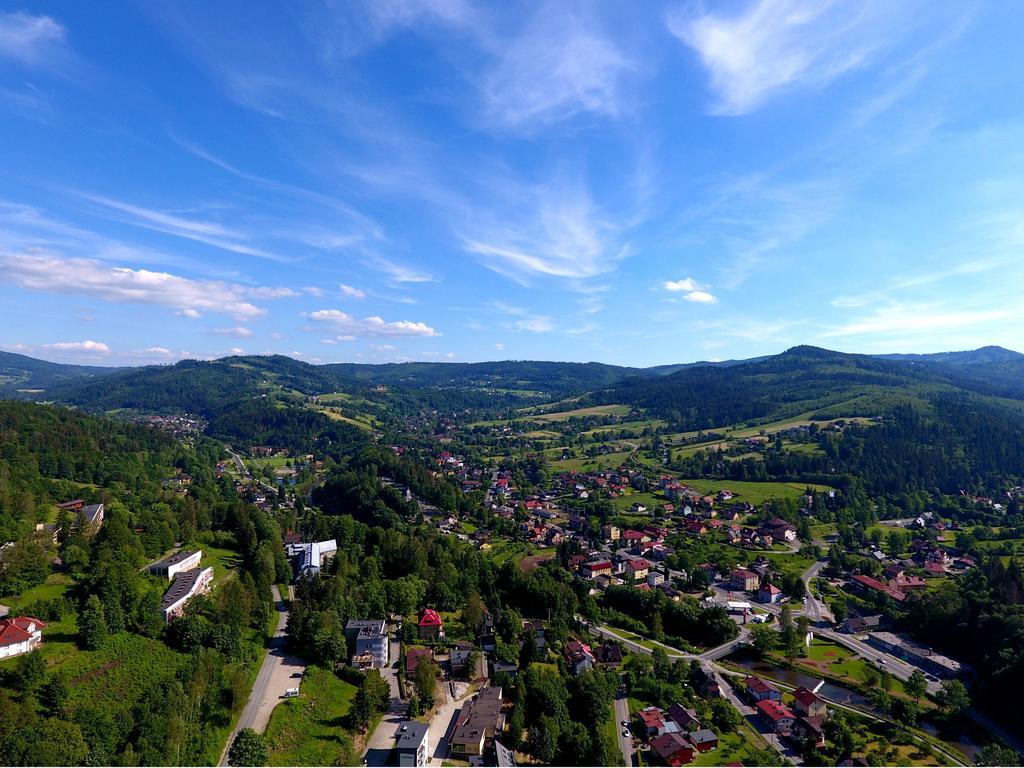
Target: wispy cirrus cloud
column 561, row 65
column 349, row 327
column 773, row 45
column 917, row 318
column 51, row 273
column 206, row 232
column 551, row 230
column 31, row 40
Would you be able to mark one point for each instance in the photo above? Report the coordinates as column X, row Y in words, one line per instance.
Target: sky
column 630, row 183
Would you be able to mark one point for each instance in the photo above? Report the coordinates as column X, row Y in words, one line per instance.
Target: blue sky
column 403, row 180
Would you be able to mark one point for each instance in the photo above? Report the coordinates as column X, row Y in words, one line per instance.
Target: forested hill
column 809, row 380
column 19, row 373
column 550, row 378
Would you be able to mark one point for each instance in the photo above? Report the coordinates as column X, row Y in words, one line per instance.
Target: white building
column 169, row 567
column 371, row 642
column 185, row 586
column 310, row 557
column 413, row 744
column 20, row 635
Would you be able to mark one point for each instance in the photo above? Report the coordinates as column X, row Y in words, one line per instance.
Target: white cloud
column 355, row 293
column 94, row 347
column 160, row 351
column 700, row 297
column 685, row 284
column 535, row 325
column 369, row 326
column 384, row 347
column 30, row 40
column 499, row 346
column 272, row 293
column 191, row 314
column 86, row 277
column 775, row 44
column 692, row 290
column 236, row 351
column 312, row 290
column 560, row 66
column 239, row 331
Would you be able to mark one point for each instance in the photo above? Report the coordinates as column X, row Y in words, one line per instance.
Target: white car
column 625, row 723
column 625, row 733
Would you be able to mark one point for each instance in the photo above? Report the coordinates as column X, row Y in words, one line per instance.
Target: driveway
column 382, row 740
column 279, row 672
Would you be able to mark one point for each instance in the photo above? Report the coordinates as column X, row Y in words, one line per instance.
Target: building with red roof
column 20, row 634
column 430, row 625
column 762, row 690
column 807, row 702
column 777, row 715
column 672, row 749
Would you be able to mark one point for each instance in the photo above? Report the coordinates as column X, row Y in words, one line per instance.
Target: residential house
column 412, row 744
column 653, row 721
column 707, row 684
column 655, row 578
column 610, row 533
column 20, row 634
column 704, row 740
column 768, row 593
column 609, row 655
column 686, row 719
column 808, row 703
column 579, row 656
column 637, row 568
column 478, row 722
column 780, row 530
column 430, row 626
column 596, row 568
column 776, row 715
column 744, row 580
column 169, row 567
column 185, row 586
column 810, row 728
column 672, row 749
column 761, row 690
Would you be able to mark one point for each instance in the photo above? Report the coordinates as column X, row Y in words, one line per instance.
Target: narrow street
column 278, row 673
column 621, row 706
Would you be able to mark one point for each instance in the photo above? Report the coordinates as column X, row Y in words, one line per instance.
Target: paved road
column 382, row 740
column 814, row 608
column 239, row 464
column 279, row 672
column 621, row 706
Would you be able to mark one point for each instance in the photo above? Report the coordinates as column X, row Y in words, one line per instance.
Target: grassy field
column 752, row 492
column 224, row 562
column 362, row 421
column 308, row 730
column 595, row 410
column 585, row 463
column 610, row 736
column 649, row 500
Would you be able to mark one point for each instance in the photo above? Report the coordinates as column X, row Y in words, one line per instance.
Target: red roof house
column 430, row 625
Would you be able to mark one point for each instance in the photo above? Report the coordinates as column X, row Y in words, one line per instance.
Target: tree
column 764, row 639
column 92, row 624
column 997, row 754
column 425, row 679
column 905, row 712
column 724, row 716
column 916, row 685
column 473, row 612
column 953, row 697
column 838, row 732
column 248, row 748
column 58, row 743
column 30, row 670
column 840, row 611
column 53, row 695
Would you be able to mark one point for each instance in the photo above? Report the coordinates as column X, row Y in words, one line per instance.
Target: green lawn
column 309, row 729
column 753, row 492
column 585, row 463
column 223, row 561
column 610, row 736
